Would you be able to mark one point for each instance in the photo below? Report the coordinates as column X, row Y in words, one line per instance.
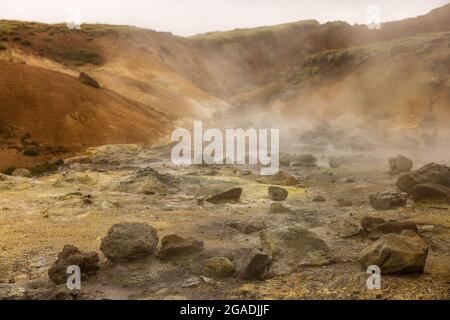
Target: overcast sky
column 188, row 17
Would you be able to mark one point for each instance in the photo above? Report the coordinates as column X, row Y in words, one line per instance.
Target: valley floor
column 108, row 185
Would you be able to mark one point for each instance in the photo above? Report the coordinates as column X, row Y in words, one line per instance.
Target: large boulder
column 431, row 173
column 72, row 256
column 290, row 245
column 430, row 192
column 387, row 200
column 393, row 253
column 277, row 193
column 175, row 246
column 400, row 164
column 129, row 241
column 88, row 80
column 230, row 196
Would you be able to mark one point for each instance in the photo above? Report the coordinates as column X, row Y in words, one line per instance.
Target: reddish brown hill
column 49, row 111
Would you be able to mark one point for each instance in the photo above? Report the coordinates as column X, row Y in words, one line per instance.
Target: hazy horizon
column 200, row 16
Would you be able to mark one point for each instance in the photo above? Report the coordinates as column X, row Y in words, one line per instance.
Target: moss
column 25, row 43
column 46, row 168
column 79, row 57
column 9, row 171
column 31, row 152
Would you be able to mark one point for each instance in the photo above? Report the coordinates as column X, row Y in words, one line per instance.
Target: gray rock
column 24, row 173
column 129, row 241
column 278, row 208
column 252, row 264
column 431, row 192
column 431, row 173
column 230, row 196
column 175, row 246
column 387, row 200
column 400, row 164
column 345, row 228
column 218, row 267
column 88, row 80
column 72, row 256
column 305, row 160
column 393, row 253
column 391, row 227
column 368, row 223
column 277, row 193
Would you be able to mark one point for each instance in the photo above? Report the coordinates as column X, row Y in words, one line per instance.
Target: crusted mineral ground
column 126, row 183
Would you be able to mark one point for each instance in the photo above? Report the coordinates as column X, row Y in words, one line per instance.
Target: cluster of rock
column 431, row 182
column 398, row 249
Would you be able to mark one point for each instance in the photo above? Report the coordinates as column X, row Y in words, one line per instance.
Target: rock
column 230, row 196
column 290, row 245
column 431, row 173
column 400, row 164
column 88, row 80
column 347, row 180
column 252, row 264
column 129, row 241
column 319, row 199
column 391, row 227
column 345, row 228
column 280, row 179
column 344, row 203
column 251, row 227
column 72, row 256
column 393, row 253
column 368, row 223
column 334, row 163
column 173, row 245
column 24, row 173
column 277, row 193
column 430, row 192
column 305, row 160
column 387, row 200
column 278, row 208
column 219, row 267
column 318, row 258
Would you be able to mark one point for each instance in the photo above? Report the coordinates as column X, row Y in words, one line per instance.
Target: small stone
column 24, row 173
column 387, row 200
column 219, row 267
column 72, row 256
column 252, row 264
column 173, row 245
column 278, row 208
column 400, row 164
column 344, row 203
column 319, row 199
column 368, row 223
column 277, row 193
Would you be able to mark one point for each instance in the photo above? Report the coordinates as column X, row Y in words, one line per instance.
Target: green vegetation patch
column 79, row 57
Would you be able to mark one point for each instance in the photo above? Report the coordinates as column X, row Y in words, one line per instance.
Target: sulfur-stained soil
column 108, row 185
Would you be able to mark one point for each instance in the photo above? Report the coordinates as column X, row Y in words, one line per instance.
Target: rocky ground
column 306, row 246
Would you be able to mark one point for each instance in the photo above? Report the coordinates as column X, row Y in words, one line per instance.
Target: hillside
column 396, row 77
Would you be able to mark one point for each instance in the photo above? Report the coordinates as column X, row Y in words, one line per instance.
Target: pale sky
column 188, row 17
